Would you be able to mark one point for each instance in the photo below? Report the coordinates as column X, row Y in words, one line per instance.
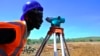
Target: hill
column 81, row 39
column 84, row 39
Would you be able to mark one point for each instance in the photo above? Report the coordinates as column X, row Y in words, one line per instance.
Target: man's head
column 33, row 14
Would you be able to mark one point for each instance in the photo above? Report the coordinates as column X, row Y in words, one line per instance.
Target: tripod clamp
column 56, row 30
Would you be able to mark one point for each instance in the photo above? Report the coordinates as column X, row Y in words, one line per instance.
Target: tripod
column 58, row 32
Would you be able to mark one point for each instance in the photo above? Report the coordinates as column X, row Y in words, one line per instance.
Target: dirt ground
column 75, row 49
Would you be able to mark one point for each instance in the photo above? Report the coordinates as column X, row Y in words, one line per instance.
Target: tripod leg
column 42, row 45
column 68, row 54
column 62, row 45
column 55, row 46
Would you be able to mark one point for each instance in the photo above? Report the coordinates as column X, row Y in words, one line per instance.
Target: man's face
column 35, row 18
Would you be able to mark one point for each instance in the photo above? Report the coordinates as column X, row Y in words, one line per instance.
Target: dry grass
column 75, row 49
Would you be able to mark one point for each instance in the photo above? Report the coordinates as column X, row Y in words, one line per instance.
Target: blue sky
column 82, row 17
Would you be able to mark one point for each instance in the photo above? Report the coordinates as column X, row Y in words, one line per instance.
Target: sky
column 82, row 17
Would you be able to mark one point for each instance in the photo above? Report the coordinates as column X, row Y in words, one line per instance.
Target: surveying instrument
column 57, row 31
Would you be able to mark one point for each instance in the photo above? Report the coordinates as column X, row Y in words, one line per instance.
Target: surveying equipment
column 58, row 32
column 55, row 21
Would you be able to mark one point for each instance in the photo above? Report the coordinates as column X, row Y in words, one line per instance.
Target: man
column 13, row 35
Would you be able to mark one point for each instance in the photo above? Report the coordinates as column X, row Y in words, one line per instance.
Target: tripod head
column 55, row 21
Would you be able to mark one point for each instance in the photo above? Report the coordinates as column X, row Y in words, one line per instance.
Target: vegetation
column 85, row 39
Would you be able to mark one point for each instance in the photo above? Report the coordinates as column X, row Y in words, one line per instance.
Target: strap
column 21, row 42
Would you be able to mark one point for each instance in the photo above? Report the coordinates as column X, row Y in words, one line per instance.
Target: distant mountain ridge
column 85, row 39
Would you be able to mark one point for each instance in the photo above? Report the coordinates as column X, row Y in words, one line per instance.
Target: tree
column 41, row 39
column 28, row 41
column 58, row 40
